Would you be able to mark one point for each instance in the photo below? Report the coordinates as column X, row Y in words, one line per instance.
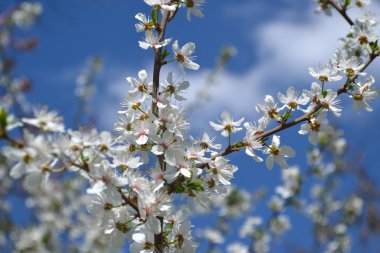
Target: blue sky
column 277, row 41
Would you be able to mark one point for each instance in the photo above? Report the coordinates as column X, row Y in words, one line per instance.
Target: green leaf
column 165, row 54
column 179, row 188
column 374, row 46
column 196, row 186
column 154, row 16
column 3, row 120
column 347, row 2
column 350, row 36
column 239, row 144
column 287, row 115
column 324, row 93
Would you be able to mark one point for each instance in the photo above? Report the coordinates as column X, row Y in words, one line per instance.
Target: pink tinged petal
column 249, row 152
column 147, row 251
column 305, row 129
column 17, row 170
column 175, row 47
column 370, row 94
column 169, row 7
column 238, row 123
column 281, row 161
column 282, row 98
column 287, row 151
column 291, row 92
column 269, row 162
column 313, row 138
column 141, row 17
column 198, row 13
column 154, row 224
column 191, row 65
column 226, row 117
column 276, row 140
column 165, row 42
column 139, row 237
column 157, row 150
column 150, row 37
column 269, row 101
column 225, row 133
column 185, row 172
column 169, row 78
column 236, row 129
column 142, row 140
column 33, row 180
column 144, row 45
column 134, row 163
column 136, row 248
column 216, row 127
column 97, row 188
column 303, row 101
column 367, row 107
column 143, row 76
column 260, row 108
column 184, row 85
column 223, row 180
column 188, row 48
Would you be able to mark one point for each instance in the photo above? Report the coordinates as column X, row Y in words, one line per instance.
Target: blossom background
column 277, row 41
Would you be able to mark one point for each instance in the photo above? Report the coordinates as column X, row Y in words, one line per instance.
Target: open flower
column 152, row 40
column 277, row 153
column 183, row 55
column 291, row 100
column 46, row 120
column 145, row 24
column 193, row 8
column 365, row 93
column 315, row 127
column 162, row 4
column 227, row 125
column 325, row 73
column 269, row 109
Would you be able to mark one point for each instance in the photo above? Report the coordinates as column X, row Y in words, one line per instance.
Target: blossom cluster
column 144, row 182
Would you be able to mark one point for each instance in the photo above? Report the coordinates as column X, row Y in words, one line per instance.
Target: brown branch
column 159, row 238
column 128, row 201
column 233, row 148
column 12, row 141
column 158, row 61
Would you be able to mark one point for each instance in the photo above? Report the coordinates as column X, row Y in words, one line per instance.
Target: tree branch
column 233, row 148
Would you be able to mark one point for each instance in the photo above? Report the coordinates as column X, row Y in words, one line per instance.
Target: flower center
column 323, row 78
column 180, row 58
column 274, row 151
column 180, row 240
column 27, row 158
column 170, row 89
column 273, row 113
column 293, row 105
column 190, row 3
column 358, row 97
column 315, row 126
column 363, row 39
column 122, row 227
column 108, row 206
column 228, row 128
column 148, row 245
column 142, row 88
column 349, row 72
